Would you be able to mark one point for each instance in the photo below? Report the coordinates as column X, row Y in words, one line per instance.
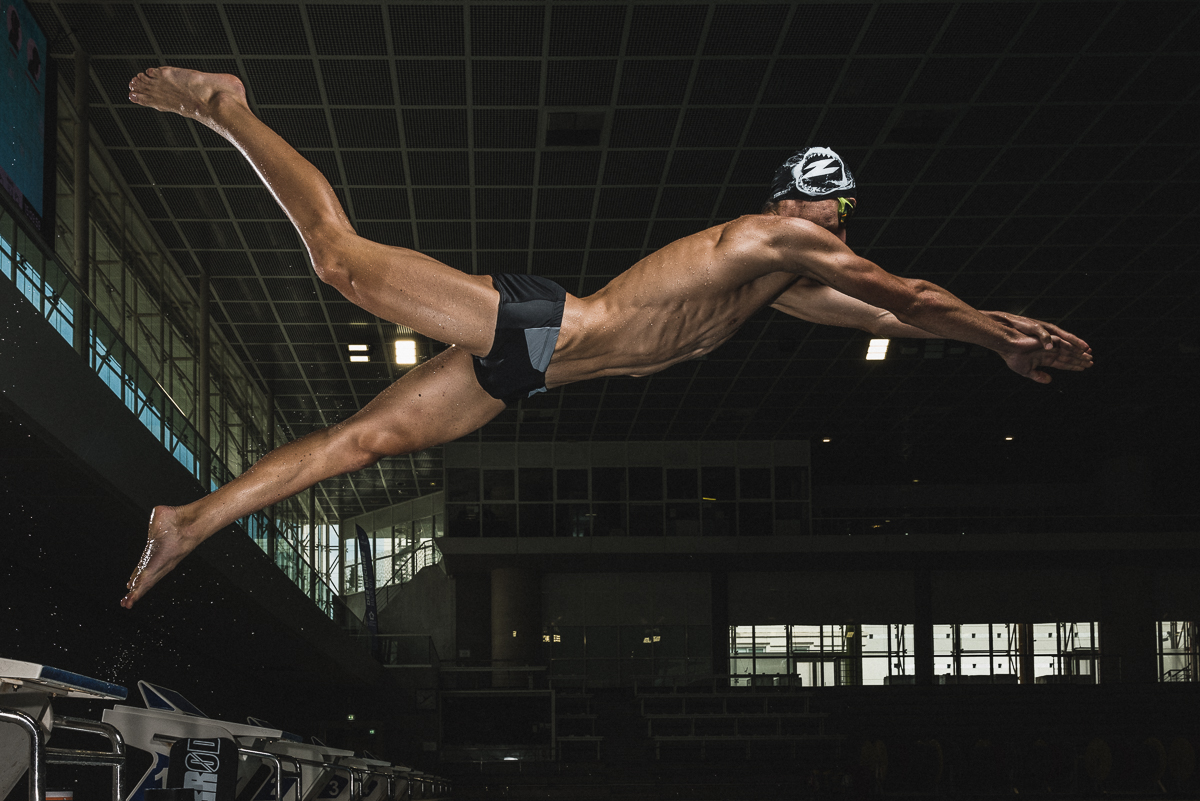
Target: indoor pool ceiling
column 1034, row 157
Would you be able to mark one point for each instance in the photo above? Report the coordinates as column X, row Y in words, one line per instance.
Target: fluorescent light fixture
column 1008, row 439
column 406, row 351
column 360, row 357
column 877, row 350
column 358, row 348
column 827, row 439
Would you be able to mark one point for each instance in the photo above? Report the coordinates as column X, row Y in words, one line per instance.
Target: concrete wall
column 424, row 605
column 626, row 599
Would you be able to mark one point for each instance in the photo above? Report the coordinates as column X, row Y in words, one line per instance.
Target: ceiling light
column 361, row 357
column 1008, row 439
column 406, row 351
column 827, row 439
column 877, row 350
column 358, row 348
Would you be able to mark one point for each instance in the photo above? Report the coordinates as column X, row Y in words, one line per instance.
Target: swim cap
column 812, row 174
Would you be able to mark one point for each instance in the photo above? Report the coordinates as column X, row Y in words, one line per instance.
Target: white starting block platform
column 275, row 765
column 28, row 692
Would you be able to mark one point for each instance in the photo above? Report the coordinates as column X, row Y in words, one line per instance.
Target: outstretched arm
column 814, row 253
column 817, row 303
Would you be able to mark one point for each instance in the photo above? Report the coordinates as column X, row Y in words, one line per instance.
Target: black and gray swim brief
column 527, row 325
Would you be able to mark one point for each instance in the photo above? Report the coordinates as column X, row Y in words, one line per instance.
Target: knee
column 363, row 446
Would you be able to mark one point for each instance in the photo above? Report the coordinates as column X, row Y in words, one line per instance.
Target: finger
column 1069, row 337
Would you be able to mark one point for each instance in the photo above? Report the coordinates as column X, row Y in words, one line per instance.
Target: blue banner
column 367, row 553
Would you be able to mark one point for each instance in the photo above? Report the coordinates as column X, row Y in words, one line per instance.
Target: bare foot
column 166, row 544
column 186, row 92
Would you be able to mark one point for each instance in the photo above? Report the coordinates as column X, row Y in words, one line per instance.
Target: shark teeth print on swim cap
column 812, row 174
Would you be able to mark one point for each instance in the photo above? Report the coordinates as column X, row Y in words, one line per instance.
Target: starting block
column 169, row 717
column 219, row 760
column 28, row 692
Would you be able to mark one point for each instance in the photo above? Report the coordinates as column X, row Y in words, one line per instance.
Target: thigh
column 434, row 403
column 418, row 291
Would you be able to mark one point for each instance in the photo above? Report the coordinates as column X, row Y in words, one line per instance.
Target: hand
column 1043, row 332
column 1028, row 355
column 1055, row 347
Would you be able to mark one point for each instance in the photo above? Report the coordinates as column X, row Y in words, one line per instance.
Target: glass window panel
column 608, row 484
column 608, row 520
column 462, row 484
column 718, row 519
column 791, row 483
column 1045, row 638
column 499, row 520
column 681, row 483
column 833, row 638
column 718, row 483
column 572, row 520
column 572, row 485
column 537, row 483
column 463, row 519
column 683, row 520
column 770, row 639
column 818, row 673
column 645, row 484
column 499, row 485
column 791, row 519
column 806, row 638
column 976, row 637
column 537, row 519
column 754, row 520
column 943, row 640
column 755, row 483
column 646, row 520
column 424, row 528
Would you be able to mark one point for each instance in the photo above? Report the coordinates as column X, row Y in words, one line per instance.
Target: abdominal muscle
column 676, row 304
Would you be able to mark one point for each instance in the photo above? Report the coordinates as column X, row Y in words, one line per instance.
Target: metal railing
column 51, row 289
column 40, row 755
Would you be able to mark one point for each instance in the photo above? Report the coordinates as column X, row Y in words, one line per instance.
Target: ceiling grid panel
column 697, row 56
column 1055, row 222
column 1001, row 151
column 626, row 25
column 714, row 217
column 588, row 272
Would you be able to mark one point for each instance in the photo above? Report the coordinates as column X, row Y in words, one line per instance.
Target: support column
column 516, row 622
column 923, row 626
column 854, row 646
column 1025, row 663
column 82, row 222
column 203, row 379
column 719, row 593
column 270, row 447
column 312, row 542
column 1128, row 639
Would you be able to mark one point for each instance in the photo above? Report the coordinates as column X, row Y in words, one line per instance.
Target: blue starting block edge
column 56, row 680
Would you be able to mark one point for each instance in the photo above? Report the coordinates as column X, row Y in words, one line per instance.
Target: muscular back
column 677, row 303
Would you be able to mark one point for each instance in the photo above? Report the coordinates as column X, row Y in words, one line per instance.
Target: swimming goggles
column 845, row 209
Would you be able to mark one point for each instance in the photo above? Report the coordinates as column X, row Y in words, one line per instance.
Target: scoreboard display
column 24, row 100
